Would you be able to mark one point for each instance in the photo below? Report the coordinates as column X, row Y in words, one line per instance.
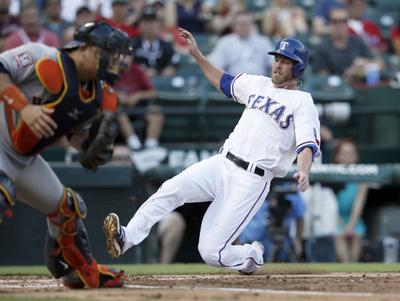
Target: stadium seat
column 328, row 88
column 180, row 97
column 182, row 87
column 205, row 41
column 55, row 154
column 385, row 5
column 382, row 125
column 257, row 6
column 220, row 115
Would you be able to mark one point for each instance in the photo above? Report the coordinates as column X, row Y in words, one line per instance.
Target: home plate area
column 329, row 286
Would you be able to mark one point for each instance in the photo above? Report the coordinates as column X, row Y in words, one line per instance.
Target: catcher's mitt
column 97, row 149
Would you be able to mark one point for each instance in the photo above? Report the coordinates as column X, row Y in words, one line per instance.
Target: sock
column 134, row 142
column 151, row 142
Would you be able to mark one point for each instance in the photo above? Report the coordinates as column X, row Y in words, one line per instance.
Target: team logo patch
column 24, row 59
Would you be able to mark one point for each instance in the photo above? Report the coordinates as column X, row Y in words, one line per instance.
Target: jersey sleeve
column 240, row 88
column 20, row 62
column 307, row 127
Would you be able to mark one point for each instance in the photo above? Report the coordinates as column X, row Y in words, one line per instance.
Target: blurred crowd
column 355, row 40
column 348, row 37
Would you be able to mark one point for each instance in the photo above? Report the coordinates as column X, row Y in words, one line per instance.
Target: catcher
column 48, row 94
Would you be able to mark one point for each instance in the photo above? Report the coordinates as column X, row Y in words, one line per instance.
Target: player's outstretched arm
column 212, row 73
column 304, row 161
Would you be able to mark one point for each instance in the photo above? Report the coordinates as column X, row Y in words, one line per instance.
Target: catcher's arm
column 98, row 147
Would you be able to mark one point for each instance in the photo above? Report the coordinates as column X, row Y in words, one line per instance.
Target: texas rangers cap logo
column 283, row 45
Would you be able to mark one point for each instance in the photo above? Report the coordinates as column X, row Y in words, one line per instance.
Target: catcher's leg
column 7, row 196
column 67, row 250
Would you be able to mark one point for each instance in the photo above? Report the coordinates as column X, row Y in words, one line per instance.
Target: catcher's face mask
column 109, row 66
column 112, row 44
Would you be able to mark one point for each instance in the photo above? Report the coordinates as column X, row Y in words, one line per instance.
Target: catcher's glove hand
column 98, row 148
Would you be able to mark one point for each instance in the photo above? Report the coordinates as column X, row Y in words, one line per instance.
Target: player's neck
column 79, row 64
column 292, row 84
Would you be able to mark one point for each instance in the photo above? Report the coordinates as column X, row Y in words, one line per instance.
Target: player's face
column 91, row 60
column 281, row 70
column 116, row 61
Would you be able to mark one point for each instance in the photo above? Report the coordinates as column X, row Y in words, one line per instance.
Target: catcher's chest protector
column 71, row 109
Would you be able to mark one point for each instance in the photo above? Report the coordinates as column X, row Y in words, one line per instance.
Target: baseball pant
column 35, row 182
column 235, row 195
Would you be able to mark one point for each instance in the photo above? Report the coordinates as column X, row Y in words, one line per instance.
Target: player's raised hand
column 190, row 41
column 302, row 181
column 38, row 120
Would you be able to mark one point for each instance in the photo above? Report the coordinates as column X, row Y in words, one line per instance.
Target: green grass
column 182, row 269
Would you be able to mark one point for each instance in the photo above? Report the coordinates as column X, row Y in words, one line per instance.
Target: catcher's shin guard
column 7, row 196
column 67, row 249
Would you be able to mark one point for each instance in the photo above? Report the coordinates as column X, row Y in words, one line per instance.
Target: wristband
column 13, row 97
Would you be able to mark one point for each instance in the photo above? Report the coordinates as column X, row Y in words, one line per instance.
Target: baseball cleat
column 252, row 268
column 115, row 235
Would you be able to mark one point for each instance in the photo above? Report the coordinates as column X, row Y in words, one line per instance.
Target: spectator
column 320, row 223
column 321, row 18
column 191, row 15
column 52, row 18
column 179, row 228
column 31, row 30
column 83, row 15
column 134, row 90
column 395, row 35
column 351, row 199
column 119, row 18
column 224, row 15
column 136, row 9
column 282, row 19
column 342, row 54
column 98, row 7
column 248, row 53
column 272, row 224
column 156, row 55
column 360, row 26
column 8, row 23
column 171, row 231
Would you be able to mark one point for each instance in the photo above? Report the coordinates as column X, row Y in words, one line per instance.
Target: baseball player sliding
column 278, row 124
column 47, row 94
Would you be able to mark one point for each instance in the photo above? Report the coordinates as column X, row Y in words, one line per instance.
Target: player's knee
column 210, row 254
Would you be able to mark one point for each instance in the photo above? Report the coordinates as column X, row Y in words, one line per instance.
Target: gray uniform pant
column 35, row 182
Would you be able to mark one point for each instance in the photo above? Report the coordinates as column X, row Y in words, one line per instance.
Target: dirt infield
column 271, row 287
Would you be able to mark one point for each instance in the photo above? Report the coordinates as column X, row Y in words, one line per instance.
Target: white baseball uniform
column 276, row 123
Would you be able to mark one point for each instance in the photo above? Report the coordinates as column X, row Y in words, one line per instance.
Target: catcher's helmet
column 104, row 36
column 111, row 41
column 294, row 50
